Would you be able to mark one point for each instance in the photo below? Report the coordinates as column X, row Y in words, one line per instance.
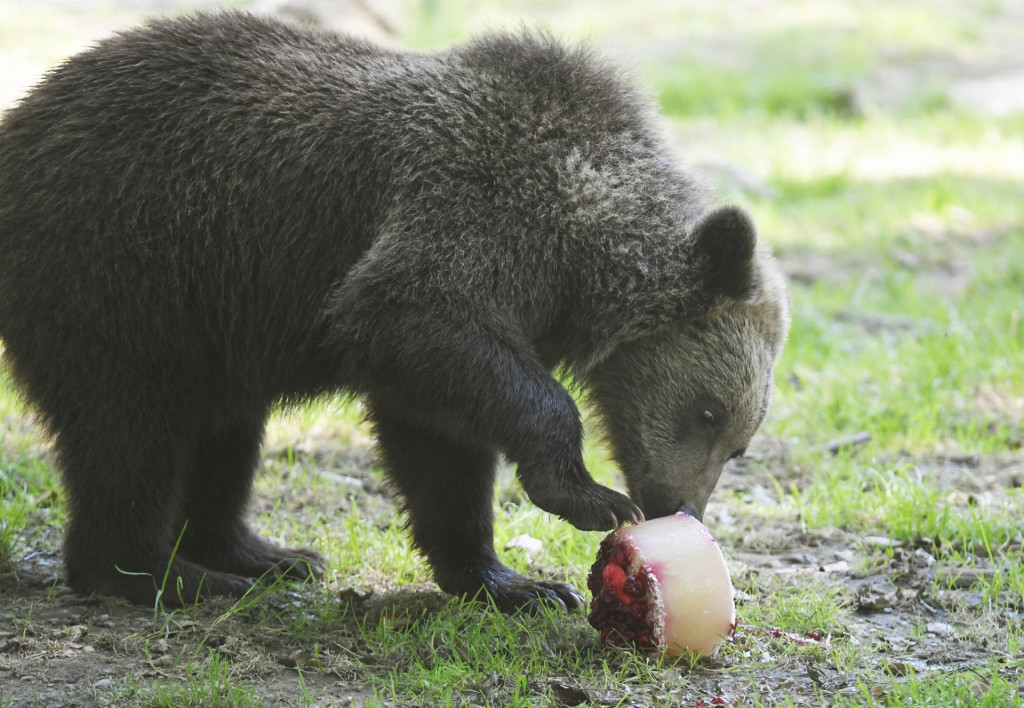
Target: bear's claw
column 602, row 509
column 512, row 592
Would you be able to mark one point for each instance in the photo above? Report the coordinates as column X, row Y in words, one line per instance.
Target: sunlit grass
column 29, row 491
column 907, row 358
column 902, row 502
column 800, row 609
column 982, row 686
column 208, row 682
column 462, row 650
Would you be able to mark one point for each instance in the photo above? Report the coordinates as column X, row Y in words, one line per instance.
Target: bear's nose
column 691, row 511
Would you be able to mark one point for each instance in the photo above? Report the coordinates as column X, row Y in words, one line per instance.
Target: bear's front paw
column 600, row 509
column 578, row 499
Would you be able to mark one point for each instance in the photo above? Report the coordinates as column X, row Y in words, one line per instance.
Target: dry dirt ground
column 59, row 649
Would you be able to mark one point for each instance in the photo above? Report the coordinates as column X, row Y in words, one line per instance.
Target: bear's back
column 199, row 187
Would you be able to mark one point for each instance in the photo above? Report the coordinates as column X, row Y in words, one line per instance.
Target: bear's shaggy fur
column 206, row 217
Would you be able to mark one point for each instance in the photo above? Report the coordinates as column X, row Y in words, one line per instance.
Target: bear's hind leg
column 448, row 490
column 218, row 482
column 123, row 477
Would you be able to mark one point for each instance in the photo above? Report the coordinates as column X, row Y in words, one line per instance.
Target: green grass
column 465, row 649
column 798, row 609
column 14, row 512
column 985, row 688
column 207, row 682
column 29, row 492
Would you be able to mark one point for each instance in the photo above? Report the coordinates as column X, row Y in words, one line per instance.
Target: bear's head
column 680, row 401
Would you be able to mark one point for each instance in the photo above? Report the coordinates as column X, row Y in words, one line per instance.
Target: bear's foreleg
column 481, row 385
column 448, row 489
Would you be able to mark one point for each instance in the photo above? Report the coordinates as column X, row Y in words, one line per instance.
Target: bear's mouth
column 657, row 499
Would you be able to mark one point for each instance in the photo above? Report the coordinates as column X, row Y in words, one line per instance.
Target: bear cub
column 207, row 217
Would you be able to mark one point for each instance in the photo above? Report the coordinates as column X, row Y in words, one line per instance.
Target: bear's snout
column 657, row 505
column 690, row 511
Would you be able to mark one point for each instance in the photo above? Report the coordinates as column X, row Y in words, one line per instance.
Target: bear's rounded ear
column 724, row 241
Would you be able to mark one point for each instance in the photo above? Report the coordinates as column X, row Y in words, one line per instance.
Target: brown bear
column 211, row 216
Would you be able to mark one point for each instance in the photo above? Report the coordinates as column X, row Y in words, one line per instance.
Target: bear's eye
column 708, row 418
